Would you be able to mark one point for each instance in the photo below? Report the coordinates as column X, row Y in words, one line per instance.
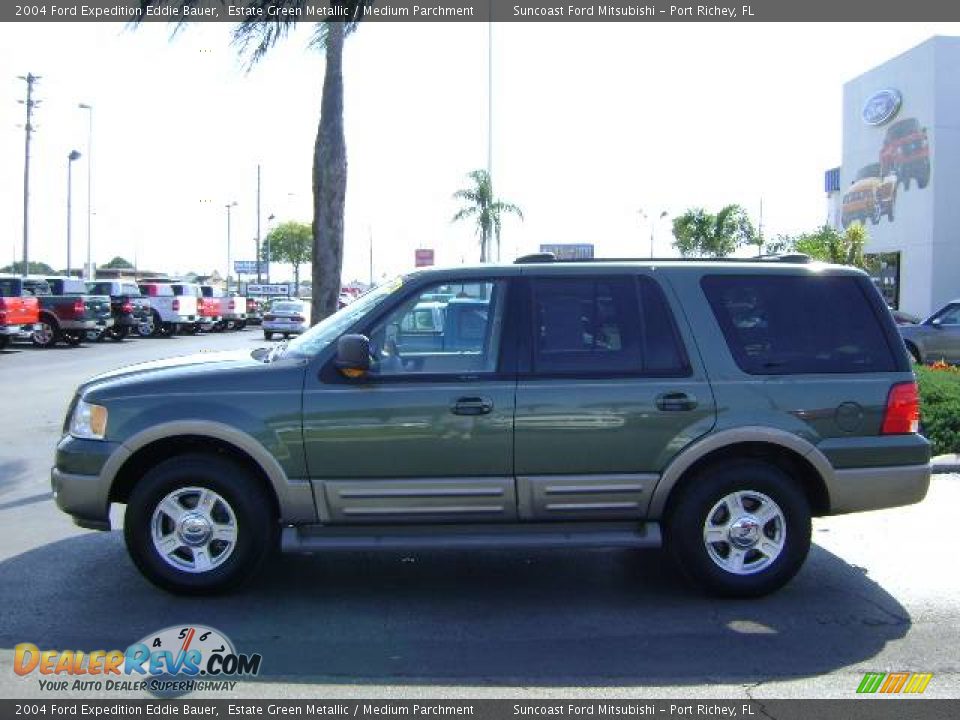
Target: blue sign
column 881, row 107
column 249, row 267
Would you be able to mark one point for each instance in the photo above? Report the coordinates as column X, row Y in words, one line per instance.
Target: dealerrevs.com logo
column 178, row 659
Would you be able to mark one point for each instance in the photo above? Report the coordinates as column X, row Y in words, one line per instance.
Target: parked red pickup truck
column 19, row 312
column 67, row 311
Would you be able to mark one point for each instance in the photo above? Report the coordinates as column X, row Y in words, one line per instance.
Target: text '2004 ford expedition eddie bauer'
column 714, row 407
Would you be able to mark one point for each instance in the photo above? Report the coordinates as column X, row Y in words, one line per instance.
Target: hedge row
column 940, row 407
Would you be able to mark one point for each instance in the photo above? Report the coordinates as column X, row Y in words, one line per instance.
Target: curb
column 945, row 464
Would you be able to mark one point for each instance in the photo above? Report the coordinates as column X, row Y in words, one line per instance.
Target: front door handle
column 676, row 401
column 472, row 406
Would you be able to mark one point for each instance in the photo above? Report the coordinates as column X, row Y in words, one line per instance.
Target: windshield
column 323, row 333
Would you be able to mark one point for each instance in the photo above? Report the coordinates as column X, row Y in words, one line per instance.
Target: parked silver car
column 937, row 337
column 286, row 317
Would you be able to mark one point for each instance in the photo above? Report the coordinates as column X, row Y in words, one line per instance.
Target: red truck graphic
column 906, row 153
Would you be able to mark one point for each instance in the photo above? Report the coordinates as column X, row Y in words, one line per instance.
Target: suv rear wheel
column 740, row 528
column 199, row 524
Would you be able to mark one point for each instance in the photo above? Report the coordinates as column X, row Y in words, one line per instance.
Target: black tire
column 267, row 335
column 694, row 505
column 914, row 353
column 157, row 330
column 73, row 338
column 241, row 324
column 4, row 341
column 118, row 333
column 923, row 179
column 168, row 330
column 49, row 333
column 257, row 530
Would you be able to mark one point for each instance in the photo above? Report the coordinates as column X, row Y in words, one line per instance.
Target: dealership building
column 900, row 175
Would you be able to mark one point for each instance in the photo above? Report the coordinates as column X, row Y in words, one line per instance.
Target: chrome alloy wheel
column 44, row 333
column 745, row 532
column 194, row 529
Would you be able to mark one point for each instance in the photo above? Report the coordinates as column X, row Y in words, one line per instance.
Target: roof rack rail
column 799, row 258
column 536, row 258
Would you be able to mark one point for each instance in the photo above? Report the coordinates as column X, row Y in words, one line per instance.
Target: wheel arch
column 914, row 350
column 787, row 451
column 293, row 499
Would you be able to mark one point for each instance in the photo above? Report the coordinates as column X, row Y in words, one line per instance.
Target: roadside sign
column 423, row 257
column 255, row 289
column 249, row 267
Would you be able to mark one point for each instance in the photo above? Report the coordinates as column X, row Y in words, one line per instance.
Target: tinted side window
column 950, row 315
column 593, row 326
column 799, row 324
column 8, row 288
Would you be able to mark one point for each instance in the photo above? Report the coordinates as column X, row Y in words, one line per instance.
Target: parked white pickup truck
column 170, row 312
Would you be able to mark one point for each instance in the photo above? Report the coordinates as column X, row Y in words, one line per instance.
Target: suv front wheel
column 199, row 524
column 740, row 528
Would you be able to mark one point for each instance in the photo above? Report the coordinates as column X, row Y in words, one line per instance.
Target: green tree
column 120, row 263
column 827, row 244
column 290, row 242
column 35, row 268
column 255, row 36
column 486, row 211
column 698, row 233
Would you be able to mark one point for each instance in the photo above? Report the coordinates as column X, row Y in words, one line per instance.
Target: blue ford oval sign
column 881, row 106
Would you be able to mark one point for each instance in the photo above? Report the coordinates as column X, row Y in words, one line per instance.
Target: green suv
column 713, row 407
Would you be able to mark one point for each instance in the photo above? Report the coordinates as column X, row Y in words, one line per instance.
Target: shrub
column 940, row 407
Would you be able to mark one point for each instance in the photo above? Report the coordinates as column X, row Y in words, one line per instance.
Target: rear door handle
column 472, row 406
column 676, row 401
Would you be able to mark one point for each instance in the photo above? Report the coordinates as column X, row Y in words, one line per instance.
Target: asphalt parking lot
column 879, row 593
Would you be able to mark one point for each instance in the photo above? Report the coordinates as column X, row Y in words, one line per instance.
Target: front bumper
column 85, row 325
column 78, row 487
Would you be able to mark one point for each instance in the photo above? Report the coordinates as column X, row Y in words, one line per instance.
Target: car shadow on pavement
column 542, row 618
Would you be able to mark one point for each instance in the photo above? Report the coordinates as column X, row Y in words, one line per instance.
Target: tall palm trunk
column 329, row 182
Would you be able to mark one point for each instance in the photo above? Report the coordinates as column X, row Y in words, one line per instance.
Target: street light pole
column 267, row 241
column 229, row 206
column 258, row 224
column 74, row 155
column 30, row 104
column 89, row 108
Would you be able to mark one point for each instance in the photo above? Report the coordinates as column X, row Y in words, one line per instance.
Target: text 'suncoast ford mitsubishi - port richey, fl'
column 712, row 407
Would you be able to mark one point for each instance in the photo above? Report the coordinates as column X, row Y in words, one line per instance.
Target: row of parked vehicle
column 49, row 310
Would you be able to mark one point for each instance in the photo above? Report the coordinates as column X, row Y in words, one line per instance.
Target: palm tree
column 487, row 212
column 254, row 37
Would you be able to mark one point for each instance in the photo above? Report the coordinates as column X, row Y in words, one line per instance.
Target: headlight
column 89, row 421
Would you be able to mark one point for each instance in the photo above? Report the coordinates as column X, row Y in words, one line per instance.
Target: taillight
column 296, row 318
column 902, row 414
column 127, row 308
column 231, row 305
column 176, row 305
column 78, row 309
column 199, row 304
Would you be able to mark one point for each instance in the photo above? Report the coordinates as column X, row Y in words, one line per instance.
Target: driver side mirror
column 353, row 356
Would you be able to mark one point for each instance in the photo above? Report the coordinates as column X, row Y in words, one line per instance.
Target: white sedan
column 286, row 317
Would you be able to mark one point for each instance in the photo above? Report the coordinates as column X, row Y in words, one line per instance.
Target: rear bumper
column 17, row 330
column 274, row 326
column 875, row 488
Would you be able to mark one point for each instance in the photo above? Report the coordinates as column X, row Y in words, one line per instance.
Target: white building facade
column 900, row 175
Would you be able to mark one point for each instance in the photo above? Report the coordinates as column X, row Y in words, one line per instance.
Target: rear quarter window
column 798, row 324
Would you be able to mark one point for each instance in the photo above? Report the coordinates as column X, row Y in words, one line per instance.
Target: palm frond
column 465, row 213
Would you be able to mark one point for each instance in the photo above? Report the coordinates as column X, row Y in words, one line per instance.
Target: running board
column 316, row 538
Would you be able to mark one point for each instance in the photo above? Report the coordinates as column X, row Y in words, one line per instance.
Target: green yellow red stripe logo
column 894, row 683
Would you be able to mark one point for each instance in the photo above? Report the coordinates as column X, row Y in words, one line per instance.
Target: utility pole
column 89, row 108
column 490, row 109
column 760, row 231
column 258, row 224
column 74, row 155
column 30, row 103
column 370, row 231
column 229, row 206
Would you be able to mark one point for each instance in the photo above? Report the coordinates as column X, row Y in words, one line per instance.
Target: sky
column 591, row 124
